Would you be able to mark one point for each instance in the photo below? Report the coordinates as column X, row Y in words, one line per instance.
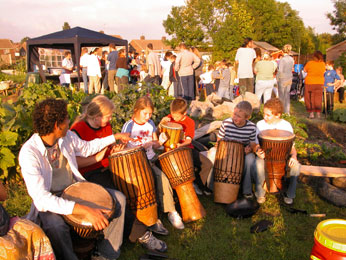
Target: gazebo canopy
column 73, row 39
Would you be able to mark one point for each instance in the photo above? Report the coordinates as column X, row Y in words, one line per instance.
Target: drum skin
column 228, row 170
column 91, row 195
column 132, row 175
column 177, row 164
column 277, row 145
column 329, row 240
column 173, row 132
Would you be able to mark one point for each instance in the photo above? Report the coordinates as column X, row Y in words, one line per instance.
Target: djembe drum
column 178, row 166
column 132, row 175
column 173, row 132
column 228, row 170
column 277, row 146
column 91, row 195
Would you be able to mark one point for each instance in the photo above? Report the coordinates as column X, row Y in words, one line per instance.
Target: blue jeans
column 260, row 178
column 248, row 173
column 85, row 79
column 188, row 86
column 58, row 231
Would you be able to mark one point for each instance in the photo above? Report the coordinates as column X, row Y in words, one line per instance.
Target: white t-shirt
column 166, row 65
column 141, row 133
column 206, row 78
column 84, row 60
column 245, row 57
column 281, row 125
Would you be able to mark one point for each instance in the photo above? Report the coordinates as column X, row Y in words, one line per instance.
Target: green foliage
column 66, row 26
column 125, row 101
column 338, row 17
column 339, row 115
column 15, row 78
column 16, row 122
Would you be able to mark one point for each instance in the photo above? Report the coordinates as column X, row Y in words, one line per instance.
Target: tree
column 338, row 17
column 24, row 39
column 66, row 26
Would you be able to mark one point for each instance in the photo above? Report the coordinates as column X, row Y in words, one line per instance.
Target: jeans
column 188, row 86
column 260, row 178
column 85, row 79
column 58, row 231
column 265, row 88
column 284, row 87
column 248, row 173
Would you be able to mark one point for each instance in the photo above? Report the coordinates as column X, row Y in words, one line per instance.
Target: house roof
column 336, row 45
column 265, row 45
column 6, row 44
column 140, row 44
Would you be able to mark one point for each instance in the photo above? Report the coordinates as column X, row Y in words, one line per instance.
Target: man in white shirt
column 154, row 66
column 94, row 72
column 244, row 64
column 48, row 164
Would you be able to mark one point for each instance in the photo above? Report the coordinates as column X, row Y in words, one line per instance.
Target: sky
column 130, row 19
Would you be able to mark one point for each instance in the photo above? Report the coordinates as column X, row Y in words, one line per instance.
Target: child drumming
column 272, row 112
column 203, row 164
column 95, row 123
column 142, row 129
column 330, row 78
column 239, row 128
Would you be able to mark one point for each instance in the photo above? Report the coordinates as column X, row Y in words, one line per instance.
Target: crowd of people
column 186, row 75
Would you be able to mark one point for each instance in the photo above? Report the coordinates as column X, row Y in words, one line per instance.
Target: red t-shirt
column 87, row 133
column 188, row 127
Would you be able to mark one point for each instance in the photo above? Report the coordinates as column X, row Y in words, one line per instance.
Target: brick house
column 335, row 51
column 141, row 44
column 7, row 52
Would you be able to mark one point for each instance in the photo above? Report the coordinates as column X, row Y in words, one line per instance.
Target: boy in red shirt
column 203, row 164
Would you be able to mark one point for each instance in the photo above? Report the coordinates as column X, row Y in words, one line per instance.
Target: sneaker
column 158, row 228
column 150, row 242
column 207, row 192
column 288, row 200
column 261, row 200
column 248, row 196
column 197, row 189
column 175, row 220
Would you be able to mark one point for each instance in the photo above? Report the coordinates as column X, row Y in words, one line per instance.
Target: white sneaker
column 197, row 189
column 150, row 242
column 175, row 220
column 288, row 201
column 261, row 200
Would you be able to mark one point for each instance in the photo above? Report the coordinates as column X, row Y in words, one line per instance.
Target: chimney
column 142, row 38
column 163, row 38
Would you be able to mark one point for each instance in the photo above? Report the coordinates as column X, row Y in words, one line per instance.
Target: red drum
column 228, row 170
column 173, row 132
column 132, row 175
column 178, row 166
column 277, row 146
column 91, row 195
column 330, row 240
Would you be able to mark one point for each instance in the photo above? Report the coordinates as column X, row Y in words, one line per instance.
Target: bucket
column 330, row 240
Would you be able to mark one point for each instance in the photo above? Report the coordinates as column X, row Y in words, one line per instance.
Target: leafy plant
column 339, row 115
column 125, row 100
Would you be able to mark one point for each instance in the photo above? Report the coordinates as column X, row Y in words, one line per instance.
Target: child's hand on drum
column 147, row 145
column 124, row 137
column 260, row 153
column 117, row 148
column 165, row 120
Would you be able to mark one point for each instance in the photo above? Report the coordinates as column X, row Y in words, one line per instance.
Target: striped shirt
column 244, row 134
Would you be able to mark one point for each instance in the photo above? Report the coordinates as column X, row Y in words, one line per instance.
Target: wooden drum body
column 228, row 170
column 132, row 175
column 91, row 195
column 173, row 132
column 277, row 146
column 178, row 166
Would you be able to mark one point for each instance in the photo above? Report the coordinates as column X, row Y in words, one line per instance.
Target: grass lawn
column 219, row 236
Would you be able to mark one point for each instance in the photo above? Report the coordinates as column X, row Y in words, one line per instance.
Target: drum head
column 275, row 134
column 172, row 125
column 126, row 151
column 91, row 195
